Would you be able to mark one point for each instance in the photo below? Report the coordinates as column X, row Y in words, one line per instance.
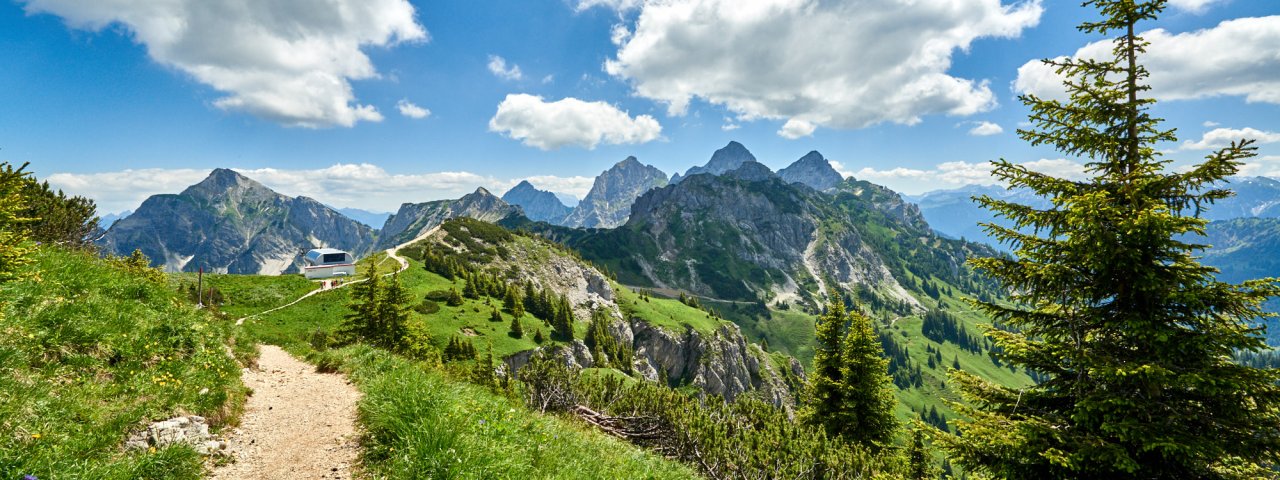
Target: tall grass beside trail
column 91, row 349
column 420, row 423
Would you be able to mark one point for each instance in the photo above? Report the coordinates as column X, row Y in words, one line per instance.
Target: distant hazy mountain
column 106, row 221
column 568, row 200
column 414, row 219
column 608, row 204
column 538, row 205
column 812, row 170
column 953, row 213
column 723, row 160
column 229, row 223
column 372, row 219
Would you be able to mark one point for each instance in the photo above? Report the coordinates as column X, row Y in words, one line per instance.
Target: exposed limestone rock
column 190, row 430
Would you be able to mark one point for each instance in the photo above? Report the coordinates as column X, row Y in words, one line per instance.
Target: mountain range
column 228, row 223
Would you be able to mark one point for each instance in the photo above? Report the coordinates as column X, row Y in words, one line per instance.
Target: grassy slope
column 666, row 313
column 89, row 351
column 422, row 423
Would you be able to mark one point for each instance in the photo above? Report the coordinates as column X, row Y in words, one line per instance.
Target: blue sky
column 119, row 99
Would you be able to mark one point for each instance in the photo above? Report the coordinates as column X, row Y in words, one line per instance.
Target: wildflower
column 35, row 436
column 29, row 477
column 151, row 450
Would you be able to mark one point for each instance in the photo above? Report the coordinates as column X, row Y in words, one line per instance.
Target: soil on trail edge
column 297, row 424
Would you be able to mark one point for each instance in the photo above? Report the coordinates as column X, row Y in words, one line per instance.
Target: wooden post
column 200, row 288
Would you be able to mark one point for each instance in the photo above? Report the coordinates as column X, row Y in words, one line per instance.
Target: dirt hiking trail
column 297, row 424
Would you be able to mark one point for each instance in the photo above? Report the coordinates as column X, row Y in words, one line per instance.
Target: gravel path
column 297, row 424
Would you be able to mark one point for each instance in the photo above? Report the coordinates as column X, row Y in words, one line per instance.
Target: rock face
column 414, row 219
column 189, row 430
column 747, row 235
column 720, row 363
column 812, row 170
column 228, row 223
column 608, row 204
column 723, row 160
column 538, row 205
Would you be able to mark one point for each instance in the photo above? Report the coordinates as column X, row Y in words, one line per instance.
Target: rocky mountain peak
column 812, row 170
column 728, row 158
column 223, row 182
column 751, row 172
column 608, row 204
column 538, row 205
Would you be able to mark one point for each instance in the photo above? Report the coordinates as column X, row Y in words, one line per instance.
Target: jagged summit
column 538, row 205
column 608, row 204
column 752, row 172
column 729, row 157
column 812, row 170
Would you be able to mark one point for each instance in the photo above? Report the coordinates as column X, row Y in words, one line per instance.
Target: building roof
column 326, row 251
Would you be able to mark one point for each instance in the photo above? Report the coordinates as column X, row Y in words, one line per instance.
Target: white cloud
column 832, row 63
column 796, row 128
column 1193, row 6
column 570, row 122
column 342, row 185
column 956, row 174
column 1210, row 124
column 840, row 167
column 409, row 109
column 983, row 129
column 498, row 66
column 290, row 62
column 730, row 126
column 1268, row 166
column 620, row 5
column 548, row 79
column 1238, row 57
column 1222, row 137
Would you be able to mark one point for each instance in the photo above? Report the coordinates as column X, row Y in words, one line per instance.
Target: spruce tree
column 919, row 463
column 1131, row 336
column 868, row 390
column 516, row 330
column 849, row 393
column 362, row 322
column 454, row 298
column 15, row 249
column 824, row 396
column 392, row 312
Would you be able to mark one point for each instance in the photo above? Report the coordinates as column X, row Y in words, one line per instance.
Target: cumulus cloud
column 498, row 67
column 730, row 126
column 983, row 129
column 619, row 5
column 570, row 122
column 1267, row 166
column 830, row 63
column 411, row 110
column 1193, row 6
column 956, row 174
column 289, row 61
column 1222, row 137
column 362, row 185
column 1238, row 57
column 796, row 128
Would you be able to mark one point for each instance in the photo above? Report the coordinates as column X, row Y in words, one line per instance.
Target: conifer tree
column 454, row 298
column 849, row 392
column 469, row 289
column 495, row 316
column 362, row 322
column 14, row 246
column 919, row 465
column 516, row 330
column 537, row 337
column 392, row 313
column 824, row 396
column 868, row 390
column 1131, row 336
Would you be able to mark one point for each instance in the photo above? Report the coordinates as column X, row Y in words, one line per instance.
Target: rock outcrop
column 608, row 204
column 189, row 430
column 538, row 205
column 415, row 219
column 723, row 160
column 812, row 170
column 228, row 223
